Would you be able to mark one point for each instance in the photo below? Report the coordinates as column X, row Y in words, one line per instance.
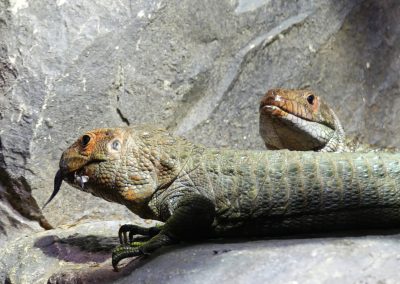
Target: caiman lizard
column 300, row 120
column 204, row 193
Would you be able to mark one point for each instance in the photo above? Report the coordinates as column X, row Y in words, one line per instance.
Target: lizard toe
column 122, row 252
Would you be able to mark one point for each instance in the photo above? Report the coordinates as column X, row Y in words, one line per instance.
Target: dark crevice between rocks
column 118, row 87
column 2, row 226
column 18, row 193
column 122, row 117
column 7, row 280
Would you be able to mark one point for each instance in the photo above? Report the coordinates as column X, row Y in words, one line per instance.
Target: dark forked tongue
column 57, row 185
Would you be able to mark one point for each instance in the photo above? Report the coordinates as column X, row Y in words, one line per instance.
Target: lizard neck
column 337, row 143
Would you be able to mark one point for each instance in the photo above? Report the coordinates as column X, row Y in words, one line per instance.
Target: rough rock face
column 81, row 254
column 197, row 67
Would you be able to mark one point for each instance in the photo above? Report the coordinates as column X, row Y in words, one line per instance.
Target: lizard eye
column 85, row 140
column 310, row 99
column 116, row 145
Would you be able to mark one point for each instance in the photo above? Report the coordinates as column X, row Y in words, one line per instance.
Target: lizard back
column 275, row 192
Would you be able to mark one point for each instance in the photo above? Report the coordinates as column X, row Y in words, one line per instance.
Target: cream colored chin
column 268, row 132
column 293, row 133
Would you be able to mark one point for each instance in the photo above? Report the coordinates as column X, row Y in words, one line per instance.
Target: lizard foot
column 140, row 248
column 122, row 252
column 135, row 230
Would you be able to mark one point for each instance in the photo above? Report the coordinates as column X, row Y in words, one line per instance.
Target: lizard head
column 297, row 120
column 117, row 164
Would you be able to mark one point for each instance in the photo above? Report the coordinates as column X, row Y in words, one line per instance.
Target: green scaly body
column 200, row 192
column 274, row 192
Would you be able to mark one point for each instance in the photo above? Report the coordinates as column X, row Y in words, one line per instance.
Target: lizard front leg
column 191, row 219
column 136, row 230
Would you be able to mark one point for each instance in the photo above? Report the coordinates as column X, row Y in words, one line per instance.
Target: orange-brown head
column 296, row 120
column 123, row 165
column 94, row 146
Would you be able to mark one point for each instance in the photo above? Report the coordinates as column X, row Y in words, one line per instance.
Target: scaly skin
column 300, row 120
column 202, row 193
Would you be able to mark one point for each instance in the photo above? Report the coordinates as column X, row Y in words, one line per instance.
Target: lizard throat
column 281, row 129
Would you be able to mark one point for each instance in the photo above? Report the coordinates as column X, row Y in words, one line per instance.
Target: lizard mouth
column 279, row 107
column 273, row 110
column 76, row 178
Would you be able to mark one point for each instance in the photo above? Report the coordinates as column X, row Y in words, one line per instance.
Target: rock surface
column 80, row 254
column 197, row 67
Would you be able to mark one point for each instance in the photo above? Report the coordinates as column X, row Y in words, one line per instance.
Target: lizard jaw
column 75, row 178
column 273, row 111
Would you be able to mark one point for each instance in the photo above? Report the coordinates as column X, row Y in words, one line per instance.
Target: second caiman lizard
column 203, row 193
column 300, row 120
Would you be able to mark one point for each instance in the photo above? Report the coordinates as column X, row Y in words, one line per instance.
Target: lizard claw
column 135, row 230
column 122, row 252
column 157, row 240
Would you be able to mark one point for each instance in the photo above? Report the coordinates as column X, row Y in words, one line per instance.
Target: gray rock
column 35, row 258
column 331, row 260
column 198, row 68
column 81, row 254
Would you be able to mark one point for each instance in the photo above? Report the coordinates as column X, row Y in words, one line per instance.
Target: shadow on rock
column 78, row 248
column 104, row 273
